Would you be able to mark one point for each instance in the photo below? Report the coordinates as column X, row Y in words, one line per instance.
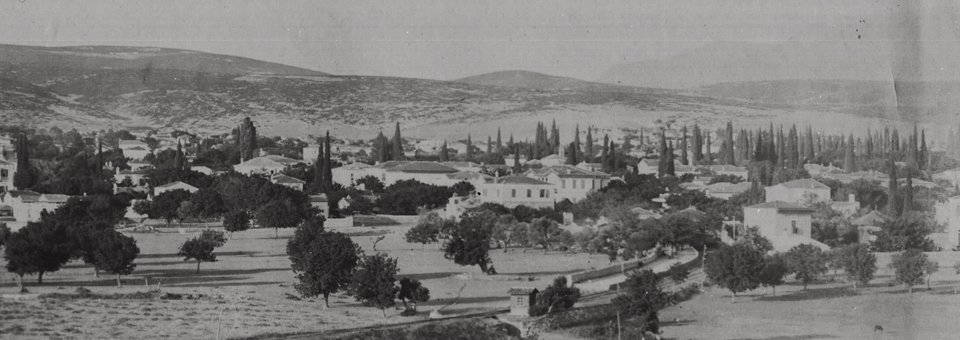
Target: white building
column 424, row 172
column 311, row 153
column 287, row 181
column 348, row 174
column 7, row 170
column 785, row 224
column 948, row 214
column 725, row 190
column 952, row 176
column 27, row 206
column 512, row 191
column 265, row 165
column 570, row 182
column 178, row 185
column 800, row 191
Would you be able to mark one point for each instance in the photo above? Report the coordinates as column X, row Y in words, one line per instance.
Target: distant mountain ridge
column 525, row 79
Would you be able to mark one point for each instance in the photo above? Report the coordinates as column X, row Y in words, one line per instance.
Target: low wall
column 944, row 258
column 611, row 269
column 339, row 222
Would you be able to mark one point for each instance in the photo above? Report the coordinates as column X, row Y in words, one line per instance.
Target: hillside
column 113, row 87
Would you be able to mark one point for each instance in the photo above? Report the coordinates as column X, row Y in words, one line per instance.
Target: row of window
column 513, row 193
column 583, row 184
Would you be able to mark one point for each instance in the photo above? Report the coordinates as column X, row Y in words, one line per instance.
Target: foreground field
column 250, row 290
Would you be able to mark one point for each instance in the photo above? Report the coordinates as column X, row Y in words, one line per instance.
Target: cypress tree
column 571, row 154
column 327, row 165
column 908, row 195
column 444, row 152
column 588, row 147
column 662, row 165
column 469, row 149
column 23, row 179
column 397, row 144
column 614, row 158
column 683, row 146
column 893, row 198
column 728, row 140
column 554, row 139
column 697, row 145
column 178, row 158
column 489, row 145
column 516, row 160
column 670, row 168
column 848, row 156
column 868, row 145
column 781, row 148
column 510, row 144
column 924, row 156
column 760, row 154
column 707, row 157
column 318, row 167
column 894, row 141
column 499, row 144
column 605, row 153
column 576, row 146
column 99, row 169
column 809, row 155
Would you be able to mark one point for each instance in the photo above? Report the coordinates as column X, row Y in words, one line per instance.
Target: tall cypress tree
column 444, row 153
column 760, row 154
column 728, row 140
column 894, row 141
column 577, row 154
column 793, row 148
column 489, row 145
column 554, row 139
column 327, row 165
column 848, row 156
column 697, row 145
column 469, row 149
column 908, row 195
column 397, row 144
column 868, row 145
column 893, row 197
column 499, row 143
column 670, row 169
column 605, row 153
column 588, row 152
column 516, row 160
column 683, row 146
column 178, row 158
column 24, row 177
column 510, row 144
column 247, row 139
column 707, row 157
column 614, row 158
column 318, row 168
column 924, row 156
column 99, row 169
column 662, row 164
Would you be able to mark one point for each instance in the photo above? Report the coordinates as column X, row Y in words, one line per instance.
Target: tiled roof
column 282, row 160
column 871, row 218
column 781, row 206
column 519, row 180
column 20, row 193
column 284, row 179
column 355, row 166
column 566, row 171
column 461, row 164
column 176, row 184
column 522, row 291
column 424, row 167
column 467, row 175
column 804, row 183
column 55, row 198
column 318, row 198
column 390, row 164
column 728, row 187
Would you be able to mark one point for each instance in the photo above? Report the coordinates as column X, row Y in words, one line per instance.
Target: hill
column 524, row 79
column 93, row 88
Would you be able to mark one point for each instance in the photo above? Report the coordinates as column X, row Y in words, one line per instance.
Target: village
column 611, row 211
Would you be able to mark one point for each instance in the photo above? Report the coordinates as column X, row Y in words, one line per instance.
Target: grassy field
column 249, row 291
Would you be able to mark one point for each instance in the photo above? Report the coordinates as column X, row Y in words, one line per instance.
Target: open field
column 250, row 284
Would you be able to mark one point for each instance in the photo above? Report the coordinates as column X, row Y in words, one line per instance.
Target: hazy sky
column 452, row 39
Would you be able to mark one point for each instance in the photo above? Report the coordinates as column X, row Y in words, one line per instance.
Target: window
column 484, row 192
column 563, row 183
column 513, row 192
column 574, row 183
column 543, row 193
column 593, row 184
column 793, row 227
column 529, row 193
column 581, row 185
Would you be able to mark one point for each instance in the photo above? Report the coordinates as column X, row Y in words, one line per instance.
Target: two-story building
column 7, row 170
column 267, row 165
column 27, row 206
column 424, row 172
column 784, row 224
column 570, row 182
column 512, row 191
column 800, row 191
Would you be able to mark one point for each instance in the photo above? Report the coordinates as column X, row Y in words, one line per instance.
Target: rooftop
column 804, row 183
column 871, row 218
column 424, row 167
column 284, row 179
column 522, row 291
column 782, row 206
column 519, row 180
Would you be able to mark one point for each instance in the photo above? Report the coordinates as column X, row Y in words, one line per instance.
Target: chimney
column 852, row 198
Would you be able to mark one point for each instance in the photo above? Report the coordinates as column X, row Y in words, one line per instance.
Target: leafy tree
column 909, row 267
column 164, row 206
column 463, row 188
column 555, row 297
column 544, row 232
column 930, row 268
column 807, row 262
column 902, row 234
column 427, row 229
column 642, row 299
column 736, row 267
column 208, row 203
column 115, row 253
column 4, row 233
column 469, row 243
column 26, row 176
column 406, row 197
column 236, row 220
column 200, row 248
column 751, row 236
column 323, row 260
column 38, row 247
column 774, row 269
column 678, row 273
column 413, row 290
column 373, row 282
column 725, row 178
column 276, row 214
column 858, row 262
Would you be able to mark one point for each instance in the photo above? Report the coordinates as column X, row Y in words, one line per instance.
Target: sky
column 453, row 39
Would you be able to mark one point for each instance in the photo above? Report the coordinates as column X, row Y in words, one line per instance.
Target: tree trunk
column 854, row 285
column 733, row 298
column 19, row 280
column 910, row 289
column 276, row 232
column 483, row 266
column 326, row 300
column 384, row 311
column 118, row 281
column 198, row 267
column 414, row 303
column 96, row 271
column 774, row 290
column 40, row 278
